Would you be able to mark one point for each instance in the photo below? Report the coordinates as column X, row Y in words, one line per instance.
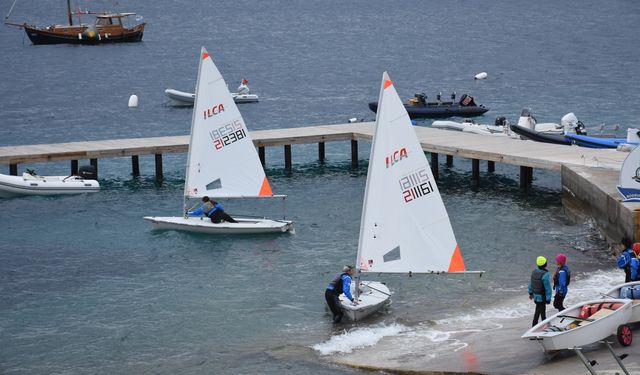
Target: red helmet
column 636, row 248
column 562, row 259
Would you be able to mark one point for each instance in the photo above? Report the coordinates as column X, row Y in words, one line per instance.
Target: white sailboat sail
column 222, row 161
column 629, row 179
column 405, row 226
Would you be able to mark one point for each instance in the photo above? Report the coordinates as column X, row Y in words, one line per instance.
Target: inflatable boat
column 419, row 107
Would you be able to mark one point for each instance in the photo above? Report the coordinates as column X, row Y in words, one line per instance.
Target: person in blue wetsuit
column 561, row 280
column 540, row 289
column 634, row 263
column 340, row 284
column 624, row 260
column 212, row 210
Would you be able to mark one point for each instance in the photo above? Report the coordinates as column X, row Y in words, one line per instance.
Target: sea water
column 86, row 286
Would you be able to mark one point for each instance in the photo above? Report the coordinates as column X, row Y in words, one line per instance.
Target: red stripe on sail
column 265, row 189
column 387, row 83
column 457, row 263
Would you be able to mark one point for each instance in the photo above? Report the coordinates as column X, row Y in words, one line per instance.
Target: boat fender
column 91, row 32
column 133, row 101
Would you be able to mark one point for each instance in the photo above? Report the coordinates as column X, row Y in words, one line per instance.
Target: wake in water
column 453, row 333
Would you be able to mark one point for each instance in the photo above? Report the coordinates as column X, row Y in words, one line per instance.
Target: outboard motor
column 571, row 125
column 467, row 100
column 501, row 121
column 88, row 172
column 526, row 120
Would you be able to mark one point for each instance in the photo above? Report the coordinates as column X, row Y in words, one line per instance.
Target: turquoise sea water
column 87, row 287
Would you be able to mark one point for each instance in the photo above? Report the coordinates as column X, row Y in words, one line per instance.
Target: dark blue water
column 87, row 287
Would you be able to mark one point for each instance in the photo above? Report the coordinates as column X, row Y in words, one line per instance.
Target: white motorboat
column 628, row 291
column 222, row 160
column 499, row 129
column 31, row 183
column 186, row 99
column 405, row 227
column 582, row 324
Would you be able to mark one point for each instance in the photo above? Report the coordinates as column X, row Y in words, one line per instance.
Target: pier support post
column 287, row 157
column 74, row 167
column 434, row 165
column 526, row 177
column 475, row 171
column 491, row 166
column 321, row 151
column 94, row 163
column 13, row 169
column 354, row 153
column 159, row 176
column 449, row 161
column 135, row 165
column 261, row 155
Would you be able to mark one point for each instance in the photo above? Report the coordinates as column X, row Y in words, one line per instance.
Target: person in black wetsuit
column 340, row 284
column 212, row 210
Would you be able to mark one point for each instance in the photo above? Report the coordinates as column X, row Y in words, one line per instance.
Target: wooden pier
column 525, row 154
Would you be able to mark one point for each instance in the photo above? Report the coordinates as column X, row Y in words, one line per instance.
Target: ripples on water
column 87, row 287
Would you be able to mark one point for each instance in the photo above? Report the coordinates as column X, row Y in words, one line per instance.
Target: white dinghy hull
column 204, row 225
column 560, row 332
column 28, row 184
column 373, row 296
column 635, row 303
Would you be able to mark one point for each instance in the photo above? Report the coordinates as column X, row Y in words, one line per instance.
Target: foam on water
column 446, row 335
column 356, row 338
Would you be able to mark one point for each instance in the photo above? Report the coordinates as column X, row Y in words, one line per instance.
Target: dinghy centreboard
column 405, row 227
column 629, row 180
column 222, row 161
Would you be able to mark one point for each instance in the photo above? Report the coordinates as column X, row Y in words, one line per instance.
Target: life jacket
column 209, row 208
column 338, row 283
column 536, row 282
column 625, row 258
column 556, row 275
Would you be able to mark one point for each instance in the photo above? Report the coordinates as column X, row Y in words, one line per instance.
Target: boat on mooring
column 418, row 106
column 186, row 99
column 405, row 227
column 31, row 183
column 222, row 161
column 107, row 28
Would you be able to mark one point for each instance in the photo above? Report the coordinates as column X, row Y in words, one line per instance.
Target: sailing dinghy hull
column 373, row 296
column 635, row 303
column 202, row 225
column 565, row 330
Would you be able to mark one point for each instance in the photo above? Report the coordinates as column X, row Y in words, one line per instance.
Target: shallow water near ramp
column 86, row 286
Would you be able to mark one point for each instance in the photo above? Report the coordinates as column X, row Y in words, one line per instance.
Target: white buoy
column 133, row 101
column 482, row 75
column 352, row 120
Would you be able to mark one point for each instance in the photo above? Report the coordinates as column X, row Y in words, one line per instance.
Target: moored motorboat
column 418, row 106
column 186, row 99
column 108, row 28
column 603, row 141
column 529, row 128
column 582, row 324
column 500, row 127
column 31, row 183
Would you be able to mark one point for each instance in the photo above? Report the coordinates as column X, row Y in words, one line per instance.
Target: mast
column 69, row 13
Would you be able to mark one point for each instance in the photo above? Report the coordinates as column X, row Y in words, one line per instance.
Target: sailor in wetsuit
column 340, row 284
column 212, row 210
